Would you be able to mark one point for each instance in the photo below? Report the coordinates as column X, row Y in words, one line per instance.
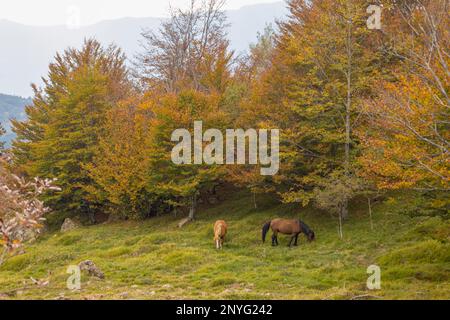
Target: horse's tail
column 265, row 228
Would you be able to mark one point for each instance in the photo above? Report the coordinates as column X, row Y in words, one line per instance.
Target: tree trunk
column 340, row 228
column 344, row 212
column 370, row 213
column 191, row 215
column 341, row 234
column 254, row 200
column 348, row 104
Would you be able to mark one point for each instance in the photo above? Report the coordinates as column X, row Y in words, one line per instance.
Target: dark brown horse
column 292, row 227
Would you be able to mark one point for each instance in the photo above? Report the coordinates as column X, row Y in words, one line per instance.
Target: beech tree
column 407, row 145
column 248, row 112
column 180, row 184
column 323, row 66
column 185, row 48
column 120, row 167
column 186, row 71
column 66, row 118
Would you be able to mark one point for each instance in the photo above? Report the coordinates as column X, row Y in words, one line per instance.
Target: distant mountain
column 27, row 50
column 11, row 107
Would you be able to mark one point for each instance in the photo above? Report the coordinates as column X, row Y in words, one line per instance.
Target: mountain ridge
column 30, row 49
column 11, row 107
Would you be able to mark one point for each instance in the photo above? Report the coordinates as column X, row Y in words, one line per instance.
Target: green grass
column 154, row 259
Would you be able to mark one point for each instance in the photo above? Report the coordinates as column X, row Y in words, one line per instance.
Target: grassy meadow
column 154, row 259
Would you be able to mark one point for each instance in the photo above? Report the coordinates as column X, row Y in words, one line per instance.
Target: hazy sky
column 84, row 12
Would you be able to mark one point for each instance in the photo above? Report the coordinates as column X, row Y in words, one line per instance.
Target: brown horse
column 220, row 230
column 292, row 227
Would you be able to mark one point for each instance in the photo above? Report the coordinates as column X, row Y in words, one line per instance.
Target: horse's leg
column 274, row 239
column 296, row 239
column 290, row 241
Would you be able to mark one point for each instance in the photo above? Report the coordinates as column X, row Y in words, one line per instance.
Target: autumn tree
column 186, row 49
column 261, row 53
column 120, row 164
column 248, row 112
column 186, row 72
column 407, row 145
column 322, row 69
column 181, row 183
column 335, row 193
column 66, row 118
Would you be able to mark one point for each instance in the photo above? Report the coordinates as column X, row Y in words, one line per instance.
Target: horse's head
column 310, row 235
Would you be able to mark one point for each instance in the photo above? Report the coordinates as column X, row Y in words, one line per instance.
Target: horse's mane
column 305, row 227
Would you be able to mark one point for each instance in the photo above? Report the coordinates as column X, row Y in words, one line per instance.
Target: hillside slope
column 157, row 260
column 11, row 107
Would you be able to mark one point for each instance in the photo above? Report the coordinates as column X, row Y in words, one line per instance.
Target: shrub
column 20, row 208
